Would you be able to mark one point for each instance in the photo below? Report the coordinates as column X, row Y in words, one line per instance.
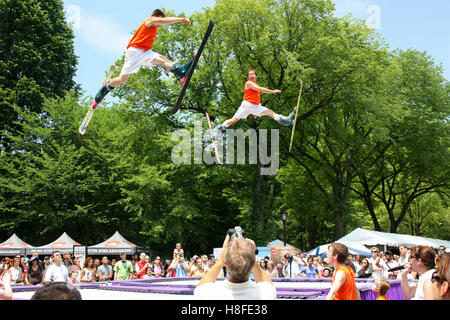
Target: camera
column 237, row 232
column 288, row 257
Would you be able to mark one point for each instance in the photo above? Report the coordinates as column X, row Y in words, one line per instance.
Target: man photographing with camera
column 239, row 257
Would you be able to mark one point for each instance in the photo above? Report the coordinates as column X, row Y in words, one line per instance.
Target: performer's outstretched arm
column 254, row 86
column 157, row 21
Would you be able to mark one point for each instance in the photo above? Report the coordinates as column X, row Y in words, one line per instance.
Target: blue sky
column 103, row 28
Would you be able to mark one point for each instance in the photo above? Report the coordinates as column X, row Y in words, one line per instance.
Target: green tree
column 37, row 59
column 413, row 159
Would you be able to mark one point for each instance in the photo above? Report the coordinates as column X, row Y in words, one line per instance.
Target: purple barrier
column 152, row 284
column 174, row 290
column 395, row 293
column 299, row 295
column 34, row 288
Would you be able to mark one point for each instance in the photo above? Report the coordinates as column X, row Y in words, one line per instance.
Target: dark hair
column 252, row 70
column 442, row 267
column 158, row 13
column 426, row 254
column 57, row 291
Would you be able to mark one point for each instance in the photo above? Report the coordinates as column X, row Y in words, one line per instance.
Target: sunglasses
column 438, row 278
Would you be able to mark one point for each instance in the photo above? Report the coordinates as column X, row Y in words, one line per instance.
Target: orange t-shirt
column 144, row 37
column 252, row 96
column 347, row 291
column 382, row 298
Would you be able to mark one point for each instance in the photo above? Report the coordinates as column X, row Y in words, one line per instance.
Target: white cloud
column 104, row 34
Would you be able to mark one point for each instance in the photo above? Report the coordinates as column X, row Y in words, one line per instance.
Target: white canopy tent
column 63, row 244
column 374, row 238
column 353, row 248
column 13, row 246
column 114, row 246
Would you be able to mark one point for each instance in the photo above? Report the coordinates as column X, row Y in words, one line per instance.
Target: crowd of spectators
column 65, row 267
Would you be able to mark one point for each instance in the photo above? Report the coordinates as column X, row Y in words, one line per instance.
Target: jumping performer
column 139, row 53
column 251, row 105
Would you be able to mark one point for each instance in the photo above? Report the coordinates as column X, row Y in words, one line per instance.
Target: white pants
column 135, row 58
column 248, row 108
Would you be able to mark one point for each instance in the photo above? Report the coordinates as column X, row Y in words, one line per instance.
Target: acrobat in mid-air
column 252, row 105
column 139, row 53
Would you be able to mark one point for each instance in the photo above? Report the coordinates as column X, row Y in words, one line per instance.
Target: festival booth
column 14, row 246
column 353, row 248
column 278, row 244
column 114, row 246
column 371, row 238
column 63, row 244
column 278, row 250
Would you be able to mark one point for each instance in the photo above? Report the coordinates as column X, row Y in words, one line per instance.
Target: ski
column 214, row 140
column 194, row 64
column 296, row 115
column 90, row 113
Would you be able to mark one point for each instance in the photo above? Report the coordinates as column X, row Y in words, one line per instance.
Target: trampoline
column 183, row 289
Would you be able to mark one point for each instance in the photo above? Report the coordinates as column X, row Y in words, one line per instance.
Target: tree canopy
column 371, row 147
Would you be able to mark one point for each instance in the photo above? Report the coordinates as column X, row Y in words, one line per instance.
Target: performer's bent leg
column 180, row 70
column 113, row 83
column 164, row 61
column 271, row 114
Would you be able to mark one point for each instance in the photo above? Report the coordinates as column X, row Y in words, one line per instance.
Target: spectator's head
column 240, row 260
column 263, row 264
column 105, row 260
column 388, row 255
column 123, row 256
column 337, row 253
column 57, row 291
column 33, row 261
column 403, row 249
column 381, row 287
column 142, row 256
column 365, row 263
column 178, row 246
column 88, row 262
column 438, row 288
column 441, row 250
column 56, row 256
column 422, row 258
column 327, row 272
column 375, row 251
